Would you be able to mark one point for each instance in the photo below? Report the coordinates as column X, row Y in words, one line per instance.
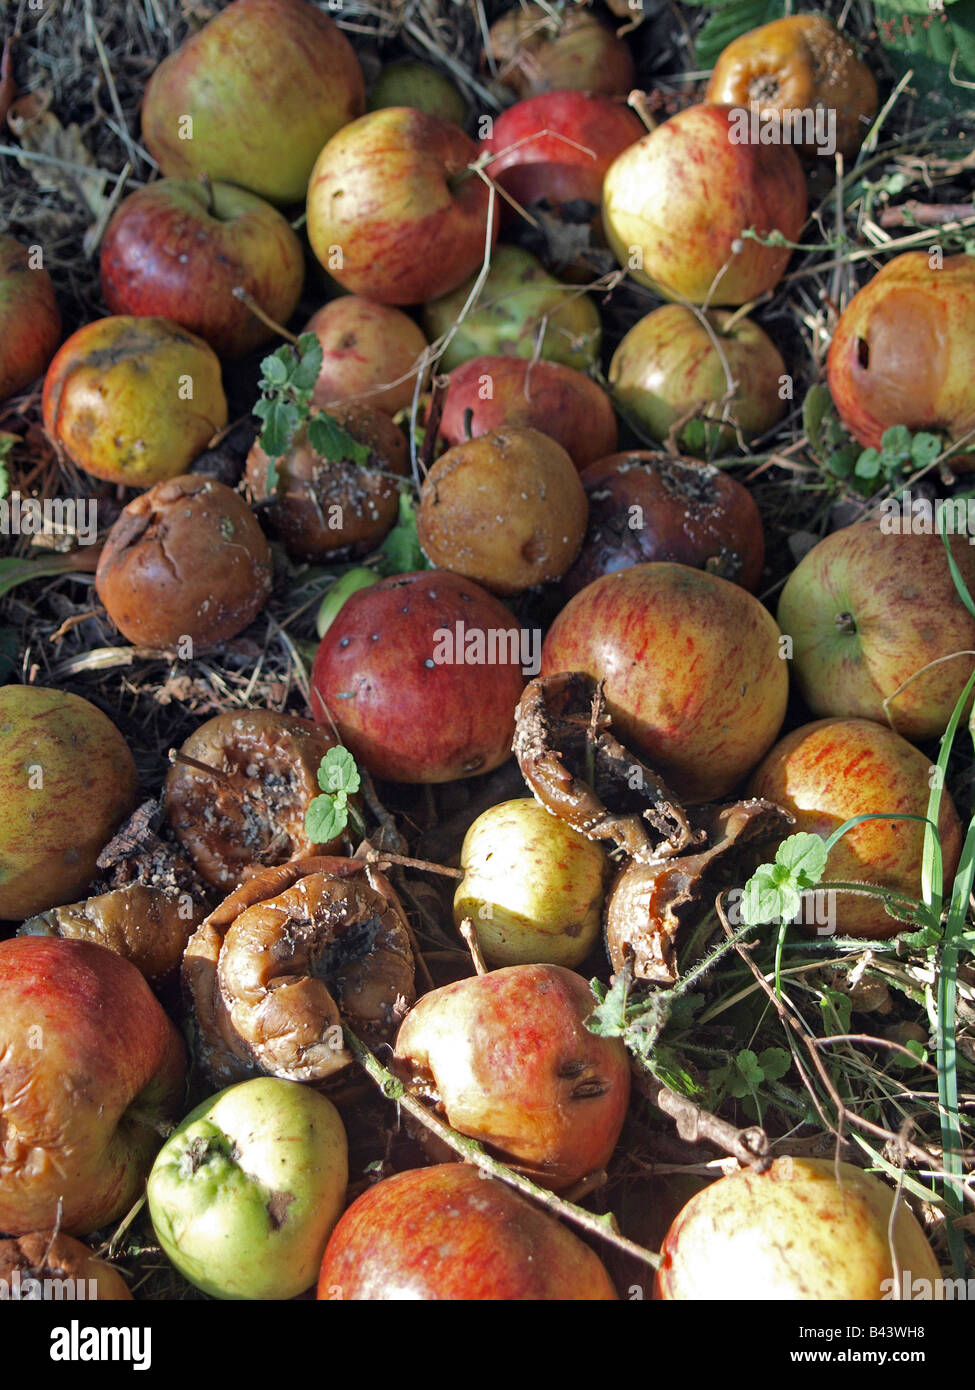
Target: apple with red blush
column 30, row 320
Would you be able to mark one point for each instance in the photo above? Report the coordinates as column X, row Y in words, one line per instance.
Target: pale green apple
column 245, row 1192
column 409, row 83
column 533, row 887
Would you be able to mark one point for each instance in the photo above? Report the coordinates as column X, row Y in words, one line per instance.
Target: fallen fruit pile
column 485, row 620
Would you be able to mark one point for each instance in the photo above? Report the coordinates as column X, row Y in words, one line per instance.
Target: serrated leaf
column 761, row 900
column 925, row 448
column 337, row 771
column 732, row 20
column 775, row 1062
column 868, row 464
column 608, row 1018
column 896, row 440
column 927, row 43
column 804, row 855
column 747, row 1064
column 327, row 437
column 324, row 820
column 305, row 374
column 274, row 369
column 280, row 424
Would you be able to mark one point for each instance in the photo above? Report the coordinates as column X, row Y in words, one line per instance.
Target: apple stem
column 379, row 857
column 184, row 760
column 472, row 1152
column 248, row 299
column 467, row 932
column 639, row 102
column 846, row 624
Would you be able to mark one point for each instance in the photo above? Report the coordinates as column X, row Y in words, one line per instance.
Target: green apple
column 518, row 300
column 245, row 1192
column 533, row 887
column 408, row 83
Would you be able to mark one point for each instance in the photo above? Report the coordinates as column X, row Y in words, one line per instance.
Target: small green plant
column 865, row 470
column 329, row 814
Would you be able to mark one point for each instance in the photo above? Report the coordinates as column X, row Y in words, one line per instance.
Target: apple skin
column 533, row 887
column 667, row 365
column 30, row 320
column 685, row 193
column 405, row 717
column 799, row 63
column 244, row 1193
column 646, row 506
column 538, row 51
column 408, row 83
column 829, row 771
column 564, row 404
column 866, row 611
column 364, row 346
column 516, row 1068
column 168, row 253
column 393, row 192
column 792, row 1233
column 91, row 1070
column 266, row 83
column 51, row 834
column 114, row 399
column 51, row 1255
column 451, row 1233
column 903, row 352
column 694, row 678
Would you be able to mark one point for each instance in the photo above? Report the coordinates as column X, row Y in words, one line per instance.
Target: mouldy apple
column 829, row 771
column 30, row 320
column 67, row 781
column 452, row 1233
column 177, row 250
column 133, row 400
column 676, row 205
column 91, row 1074
column 903, row 352
column 695, row 679
column 395, row 212
column 877, row 628
column 253, row 97
column 244, row 1193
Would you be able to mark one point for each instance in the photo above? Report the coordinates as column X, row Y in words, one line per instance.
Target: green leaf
column 804, row 856
column 695, row 436
column 732, row 20
column 817, row 405
column 868, row 464
column 842, row 461
column 306, row 370
column 608, row 1018
column 275, row 369
column 324, row 820
column 896, row 441
column 836, row 1010
column 280, row 424
column 7, row 442
column 401, row 551
column 327, row 437
column 897, row 1059
column 925, row 448
column 929, row 44
column 337, row 771
column 774, row 1062
column 762, row 899
column 747, row 1064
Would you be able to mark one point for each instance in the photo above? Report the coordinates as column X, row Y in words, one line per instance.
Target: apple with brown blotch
column 91, row 1074
column 512, row 1064
column 671, row 366
column 646, row 506
column 186, row 564
column 877, row 628
column 800, row 64
column 177, row 249
column 451, row 1233
column 51, row 1265
column 395, row 211
column 67, row 781
column 903, row 352
column 509, row 393
column 694, row 675
column 30, row 320
column 253, row 96
column 537, row 49
column 676, row 205
column 829, row 771
column 506, row 509
column 133, row 400
column 333, row 507
column 420, row 674
column 406, row 82
column 532, row 887
column 805, row 1228
column 370, row 354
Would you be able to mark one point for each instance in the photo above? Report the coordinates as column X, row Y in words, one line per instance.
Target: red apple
column 421, row 675
column 30, row 320
column 867, row 610
column 694, row 675
column 827, row 772
column 645, row 506
column 539, row 49
column 395, row 212
column 253, row 96
column 507, row 392
column 675, row 206
column 512, row 1064
column 370, row 353
column 452, row 1233
column 903, row 352
column 91, row 1074
column 178, row 250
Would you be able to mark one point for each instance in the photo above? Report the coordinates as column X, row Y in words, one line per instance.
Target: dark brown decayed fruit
column 506, row 510
column 324, row 505
column 251, row 814
column 539, row 50
column 50, row 1255
column 148, row 926
column 185, row 560
column 645, row 505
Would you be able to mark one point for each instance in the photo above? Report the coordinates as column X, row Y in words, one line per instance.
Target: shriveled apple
column 64, row 1265
column 538, row 49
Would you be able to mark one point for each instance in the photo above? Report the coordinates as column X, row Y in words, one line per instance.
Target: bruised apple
column 67, row 781
column 370, row 354
column 694, row 675
column 512, row 1064
column 30, row 320
column 537, row 49
column 452, row 1233
column 829, row 771
column 806, row 1228
column 420, row 674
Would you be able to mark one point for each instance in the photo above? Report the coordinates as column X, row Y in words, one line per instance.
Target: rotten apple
column 30, row 320
column 535, row 48
column 51, row 1265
